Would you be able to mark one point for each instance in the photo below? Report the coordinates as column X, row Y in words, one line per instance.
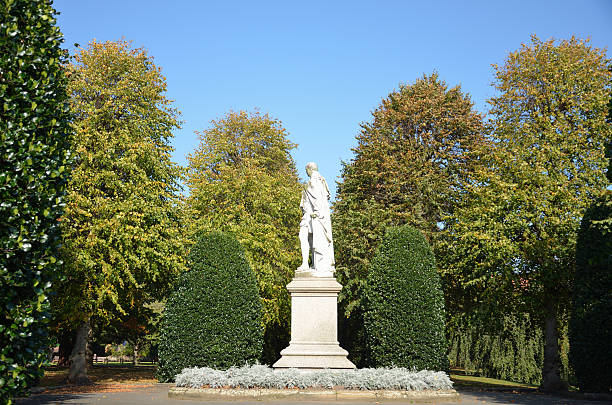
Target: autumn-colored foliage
column 243, row 180
column 121, row 229
column 544, row 164
column 410, row 166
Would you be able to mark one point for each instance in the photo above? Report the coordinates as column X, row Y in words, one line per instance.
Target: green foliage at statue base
column 214, row 317
column 590, row 332
column 404, row 304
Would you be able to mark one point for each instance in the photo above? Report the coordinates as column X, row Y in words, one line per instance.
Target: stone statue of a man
column 315, row 227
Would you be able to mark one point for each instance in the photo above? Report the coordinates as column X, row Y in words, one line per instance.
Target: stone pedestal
column 314, row 325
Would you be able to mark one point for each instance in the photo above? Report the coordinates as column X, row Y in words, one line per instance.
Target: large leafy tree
column 243, row 180
column 515, row 236
column 122, row 226
column 34, row 151
column 410, row 166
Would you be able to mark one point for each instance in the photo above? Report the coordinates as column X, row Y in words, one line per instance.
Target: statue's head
column 311, row 167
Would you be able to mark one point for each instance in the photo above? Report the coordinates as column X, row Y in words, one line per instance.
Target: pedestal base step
column 314, row 356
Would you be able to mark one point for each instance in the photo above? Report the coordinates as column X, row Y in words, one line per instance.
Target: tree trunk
column 551, row 369
column 135, row 353
column 78, row 359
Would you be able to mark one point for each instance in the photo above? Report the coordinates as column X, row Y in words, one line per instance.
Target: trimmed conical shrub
column 404, row 304
column 213, row 318
column 590, row 329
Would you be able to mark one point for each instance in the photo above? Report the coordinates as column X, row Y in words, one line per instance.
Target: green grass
column 461, row 380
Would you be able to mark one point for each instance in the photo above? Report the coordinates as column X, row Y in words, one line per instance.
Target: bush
column 34, row 150
column 404, row 305
column 213, row 318
column 590, row 331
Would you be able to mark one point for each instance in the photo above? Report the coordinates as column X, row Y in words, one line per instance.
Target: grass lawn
column 461, row 380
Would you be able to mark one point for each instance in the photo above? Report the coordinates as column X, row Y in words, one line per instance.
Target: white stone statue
column 315, row 226
column 314, row 290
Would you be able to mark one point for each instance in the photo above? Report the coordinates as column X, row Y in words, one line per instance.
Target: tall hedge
column 214, row 317
column 591, row 320
column 404, row 304
column 34, row 146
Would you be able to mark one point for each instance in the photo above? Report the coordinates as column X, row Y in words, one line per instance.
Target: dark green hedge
column 591, row 320
column 213, row 318
column 34, row 145
column 404, row 305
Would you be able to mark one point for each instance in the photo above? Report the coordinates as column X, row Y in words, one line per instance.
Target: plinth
column 314, row 325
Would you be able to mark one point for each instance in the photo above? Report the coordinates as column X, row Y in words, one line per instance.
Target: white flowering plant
column 260, row 376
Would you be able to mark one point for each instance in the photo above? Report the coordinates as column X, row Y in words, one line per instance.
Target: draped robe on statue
column 315, row 200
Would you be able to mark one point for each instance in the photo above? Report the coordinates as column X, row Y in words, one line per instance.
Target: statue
column 315, row 226
column 314, row 290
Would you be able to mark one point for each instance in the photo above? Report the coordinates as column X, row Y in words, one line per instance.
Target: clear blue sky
column 321, row 67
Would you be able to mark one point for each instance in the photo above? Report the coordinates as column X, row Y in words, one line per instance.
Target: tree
column 243, row 180
column 409, row 168
column 213, row 318
column 404, row 304
column 34, row 154
column 139, row 328
column 122, row 226
column 512, row 351
column 515, row 234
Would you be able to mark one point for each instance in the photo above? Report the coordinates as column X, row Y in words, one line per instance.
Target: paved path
column 158, row 394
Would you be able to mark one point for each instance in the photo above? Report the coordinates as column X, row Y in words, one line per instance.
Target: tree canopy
column 123, row 243
column 514, row 236
column 243, row 180
column 590, row 343
column 410, row 166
